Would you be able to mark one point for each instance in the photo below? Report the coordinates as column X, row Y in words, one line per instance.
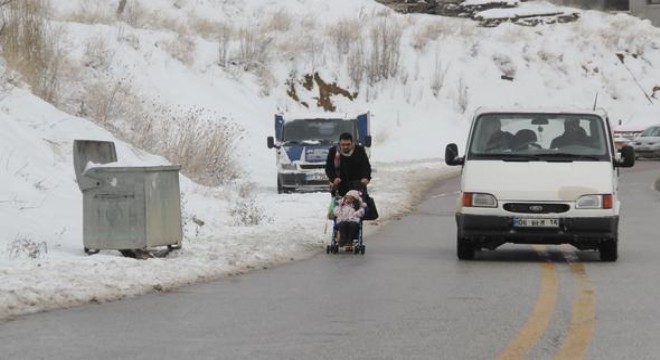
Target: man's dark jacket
column 351, row 168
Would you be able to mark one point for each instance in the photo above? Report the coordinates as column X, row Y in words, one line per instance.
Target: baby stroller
column 356, row 244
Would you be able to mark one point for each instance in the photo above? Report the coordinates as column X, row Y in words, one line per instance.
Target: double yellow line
column 581, row 327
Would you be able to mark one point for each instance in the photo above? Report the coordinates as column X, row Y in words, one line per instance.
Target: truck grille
column 311, row 167
column 528, row 208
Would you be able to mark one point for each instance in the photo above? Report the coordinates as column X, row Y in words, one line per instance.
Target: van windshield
column 318, row 130
column 542, row 137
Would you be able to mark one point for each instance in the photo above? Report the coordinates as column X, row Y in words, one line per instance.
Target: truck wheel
column 464, row 249
column 609, row 250
column 280, row 188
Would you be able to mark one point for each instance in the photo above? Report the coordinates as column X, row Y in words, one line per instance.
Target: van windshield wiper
column 568, row 157
column 507, row 157
column 519, row 157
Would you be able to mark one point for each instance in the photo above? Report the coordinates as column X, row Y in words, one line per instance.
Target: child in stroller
column 347, row 223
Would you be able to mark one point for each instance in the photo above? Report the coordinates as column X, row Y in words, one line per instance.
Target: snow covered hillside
column 166, row 67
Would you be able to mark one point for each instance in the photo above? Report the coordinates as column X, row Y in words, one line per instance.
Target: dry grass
column 355, row 63
column 205, row 28
column 128, row 37
column 32, row 47
column 225, row 33
column 278, row 21
column 463, row 99
column 383, row 61
column 254, row 49
column 430, row 32
column 92, row 12
column 23, row 246
column 438, row 76
column 245, row 210
column 98, row 54
column 505, row 64
column 199, row 140
column 344, row 33
column 182, row 48
column 106, row 102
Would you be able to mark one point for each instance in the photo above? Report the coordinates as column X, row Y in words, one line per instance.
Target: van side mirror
column 270, row 142
column 367, row 141
column 451, row 155
column 627, row 157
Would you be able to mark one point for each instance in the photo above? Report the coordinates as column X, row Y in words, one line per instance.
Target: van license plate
column 532, row 222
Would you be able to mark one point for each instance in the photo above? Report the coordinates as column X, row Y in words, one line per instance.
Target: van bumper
column 487, row 231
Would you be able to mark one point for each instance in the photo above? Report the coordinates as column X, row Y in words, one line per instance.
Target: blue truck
column 302, row 142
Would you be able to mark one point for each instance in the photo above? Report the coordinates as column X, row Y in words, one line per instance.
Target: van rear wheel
column 609, row 250
column 464, row 248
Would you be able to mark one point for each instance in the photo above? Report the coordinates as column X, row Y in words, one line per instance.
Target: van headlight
column 594, row 201
column 479, row 200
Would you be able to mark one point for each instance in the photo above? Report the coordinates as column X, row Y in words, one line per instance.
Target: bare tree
column 120, row 9
column 3, row 3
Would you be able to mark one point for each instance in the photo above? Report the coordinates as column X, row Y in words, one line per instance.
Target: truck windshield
column 318, row 130
column 539, row 137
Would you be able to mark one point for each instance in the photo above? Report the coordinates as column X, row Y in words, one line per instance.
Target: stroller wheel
column 356, row 249
column 362, row 249
column 335, row 249
column 327, row 249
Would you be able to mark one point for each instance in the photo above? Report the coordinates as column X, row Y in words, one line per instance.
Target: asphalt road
column 408, row 297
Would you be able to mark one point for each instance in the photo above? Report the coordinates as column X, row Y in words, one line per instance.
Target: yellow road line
column 583, row 315
column 539, row 319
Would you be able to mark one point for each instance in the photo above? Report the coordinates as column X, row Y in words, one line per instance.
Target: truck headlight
column 288, row 166
column 479, row 200
column 594, row 201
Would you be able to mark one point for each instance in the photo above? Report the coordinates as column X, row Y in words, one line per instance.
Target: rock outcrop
column 477, row 9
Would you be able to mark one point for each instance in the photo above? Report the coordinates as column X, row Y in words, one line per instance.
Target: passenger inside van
column 524, row 139
column 573, row 135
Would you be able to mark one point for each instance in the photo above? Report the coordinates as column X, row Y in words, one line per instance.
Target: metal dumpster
column 126, row 208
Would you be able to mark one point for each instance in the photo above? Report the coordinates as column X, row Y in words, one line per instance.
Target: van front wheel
column 609, row 250
column 464, row 248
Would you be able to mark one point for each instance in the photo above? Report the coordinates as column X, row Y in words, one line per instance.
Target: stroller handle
column 352, row 185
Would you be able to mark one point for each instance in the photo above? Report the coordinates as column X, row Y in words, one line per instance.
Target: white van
column 539, row 177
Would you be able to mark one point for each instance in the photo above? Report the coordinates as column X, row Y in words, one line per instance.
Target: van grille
column 531, row 208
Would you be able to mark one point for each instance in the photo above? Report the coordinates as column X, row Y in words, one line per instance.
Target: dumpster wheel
column 144, row 254
column 91, row 251
column 141, row 254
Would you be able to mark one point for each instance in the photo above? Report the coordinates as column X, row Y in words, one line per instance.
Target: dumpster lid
column 132, row 169
column 84, row 151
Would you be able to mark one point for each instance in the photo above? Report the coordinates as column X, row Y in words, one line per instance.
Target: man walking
column 347, row 166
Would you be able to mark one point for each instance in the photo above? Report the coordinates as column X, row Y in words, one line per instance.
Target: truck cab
column 302, row 142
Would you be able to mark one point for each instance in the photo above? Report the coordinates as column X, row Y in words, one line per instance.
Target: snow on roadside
column 291, row 235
